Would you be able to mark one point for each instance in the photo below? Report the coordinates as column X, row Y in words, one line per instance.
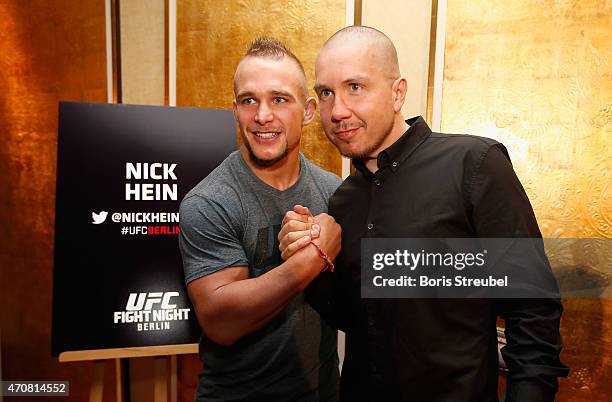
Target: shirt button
column 394, row 164
column 374, row 369
column 370, row 226
column 377, row 182
column 371, row 322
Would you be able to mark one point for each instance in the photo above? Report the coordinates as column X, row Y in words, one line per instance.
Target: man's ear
column 399, row 88
column 234, row 107
column 310, row 108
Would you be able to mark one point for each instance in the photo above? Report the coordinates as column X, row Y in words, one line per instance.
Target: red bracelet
column 328, row 262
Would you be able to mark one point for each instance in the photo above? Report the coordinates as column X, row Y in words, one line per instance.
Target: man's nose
column 340, row 110
column 264, row 114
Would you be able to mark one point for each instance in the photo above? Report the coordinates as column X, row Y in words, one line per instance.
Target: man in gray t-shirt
column 261, row 341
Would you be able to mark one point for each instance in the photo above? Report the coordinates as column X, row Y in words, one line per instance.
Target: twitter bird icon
column 98, row 218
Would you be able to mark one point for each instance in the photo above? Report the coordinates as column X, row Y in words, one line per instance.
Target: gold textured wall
column 536, row 75
column 49, row 51
column 212, row 36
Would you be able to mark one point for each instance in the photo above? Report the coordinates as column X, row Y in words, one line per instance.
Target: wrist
column 309, row 264
column 329, row 264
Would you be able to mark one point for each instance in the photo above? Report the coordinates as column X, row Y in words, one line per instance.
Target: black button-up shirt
column 436, row 185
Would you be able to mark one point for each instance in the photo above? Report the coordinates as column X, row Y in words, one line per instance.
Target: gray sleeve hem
column 212, row 269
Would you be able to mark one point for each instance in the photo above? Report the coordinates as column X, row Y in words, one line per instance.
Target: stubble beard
column 363, row 153
column 264, row 163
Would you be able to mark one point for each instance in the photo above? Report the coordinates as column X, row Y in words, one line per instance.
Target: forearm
column 329, row 295
column 532, row 352
column 243, row 306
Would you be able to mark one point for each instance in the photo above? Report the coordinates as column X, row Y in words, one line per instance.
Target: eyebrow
column 355, row 78
column 358, row 77
column 319, row 87
column 249, row 94
column 283, row 93
column 244, row 94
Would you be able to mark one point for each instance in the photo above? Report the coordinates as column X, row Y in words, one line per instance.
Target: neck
column 398, row 129
column 282, row 175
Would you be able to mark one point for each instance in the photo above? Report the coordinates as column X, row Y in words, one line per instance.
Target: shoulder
column 320, row 176
column 219, row 189
column 221, row 179
column 468, row 150
column 465, row 142
column 350, row 187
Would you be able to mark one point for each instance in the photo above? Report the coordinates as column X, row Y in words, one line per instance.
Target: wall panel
column 411, row 41
column 536, row 75
column 143, row 52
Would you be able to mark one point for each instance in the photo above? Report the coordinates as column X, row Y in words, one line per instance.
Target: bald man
column 261, row 341
column 412, row 183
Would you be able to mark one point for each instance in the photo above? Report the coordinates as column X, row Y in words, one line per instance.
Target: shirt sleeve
column 209, row 237
column 501, row 208
column 327, row 295
column 336, row 296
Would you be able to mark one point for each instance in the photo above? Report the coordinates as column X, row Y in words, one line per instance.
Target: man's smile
column 346, row 133
column 267, row 135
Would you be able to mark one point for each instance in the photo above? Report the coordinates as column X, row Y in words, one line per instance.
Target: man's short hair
column 270, row 47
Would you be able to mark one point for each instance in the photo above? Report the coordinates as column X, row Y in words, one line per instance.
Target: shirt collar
column 401, row 149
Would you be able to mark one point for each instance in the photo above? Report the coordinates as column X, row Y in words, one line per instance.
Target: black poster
column 122, row 172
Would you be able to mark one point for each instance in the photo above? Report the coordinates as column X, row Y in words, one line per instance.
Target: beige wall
column 407, row 23
column 142, row 29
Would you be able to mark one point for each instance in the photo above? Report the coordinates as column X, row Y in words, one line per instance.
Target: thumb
column 302, row 210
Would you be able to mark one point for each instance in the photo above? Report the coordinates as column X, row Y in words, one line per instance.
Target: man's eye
column 278, row 99
column 355, row 87
column 325, row 93
column 248, row 101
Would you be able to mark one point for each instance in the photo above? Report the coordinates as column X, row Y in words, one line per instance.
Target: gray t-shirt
column 232, row 218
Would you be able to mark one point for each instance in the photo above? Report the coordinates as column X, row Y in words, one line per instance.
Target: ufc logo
column 145, row 301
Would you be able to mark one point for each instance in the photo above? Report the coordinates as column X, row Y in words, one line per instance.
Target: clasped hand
column 299, row 228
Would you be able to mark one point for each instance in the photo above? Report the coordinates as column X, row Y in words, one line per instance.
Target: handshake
column 299, row 228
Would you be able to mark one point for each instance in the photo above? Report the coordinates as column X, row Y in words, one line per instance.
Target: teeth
column 266, row 135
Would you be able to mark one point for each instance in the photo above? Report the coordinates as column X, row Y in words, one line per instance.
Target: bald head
column 378, row 46
column 361, row 91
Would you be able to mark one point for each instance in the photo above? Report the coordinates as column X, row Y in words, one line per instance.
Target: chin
column 267, row 161
column 351, row 152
